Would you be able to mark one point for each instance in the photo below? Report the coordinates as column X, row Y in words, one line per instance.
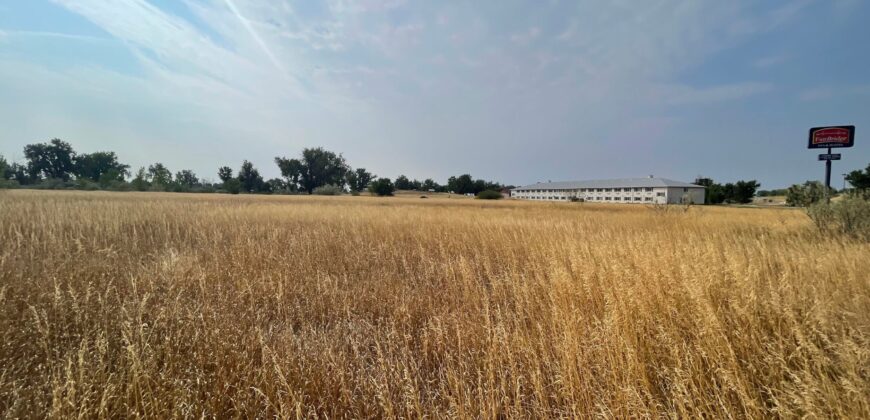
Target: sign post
column 830, row 137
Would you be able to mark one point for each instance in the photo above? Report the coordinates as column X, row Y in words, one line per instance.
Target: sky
column 517, row 92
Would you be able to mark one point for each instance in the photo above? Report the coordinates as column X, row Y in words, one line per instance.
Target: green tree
column 403, row 183
column 860, row 181
column 55, row 159
column 95, row 166
column 5, row 172
column 186, row 179
column 713, row 193
column 489, row 195
column 250, row 179
column 430, row 185
column 462, row 184
column 809, row 193
column 742, row 191
column 359, row 179
column 225, row 173
column 291, row 170
column 382, row 187
column 277, row 185
column 317, row 167
column 232, row 186
column 159, row 175
column 140, row 181
column 20, row 173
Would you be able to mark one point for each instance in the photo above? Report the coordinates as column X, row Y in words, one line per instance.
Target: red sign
column 824, row 137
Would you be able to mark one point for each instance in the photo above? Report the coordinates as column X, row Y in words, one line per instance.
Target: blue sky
column 512, row 91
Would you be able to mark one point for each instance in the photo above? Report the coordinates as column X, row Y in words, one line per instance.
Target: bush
column 328, row 190
column 805, row 195
column 232, row 186
column 849, row 216
column 382, row 187
column 53, row 184
column 8, row 184
column 490, row 195
column 86, row 184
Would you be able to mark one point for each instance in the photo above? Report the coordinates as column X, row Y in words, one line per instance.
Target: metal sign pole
column 828, row 178
column 826, row 138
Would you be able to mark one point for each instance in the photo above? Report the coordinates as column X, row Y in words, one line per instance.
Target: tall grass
column 131, row 304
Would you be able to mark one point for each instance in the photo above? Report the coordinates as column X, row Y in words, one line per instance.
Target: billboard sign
column 838, row 136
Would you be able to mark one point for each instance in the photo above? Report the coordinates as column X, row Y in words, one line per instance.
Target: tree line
column 56, row 165
column 740, row 192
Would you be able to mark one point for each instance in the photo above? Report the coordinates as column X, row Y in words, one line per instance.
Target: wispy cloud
column 685, row 95
column 422, row 79
column 232, row 6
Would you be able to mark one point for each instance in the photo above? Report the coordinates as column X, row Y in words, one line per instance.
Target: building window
column 647, row 199
column 636, row 198
column 660, row 194
column 685, row 190
column 647, row 189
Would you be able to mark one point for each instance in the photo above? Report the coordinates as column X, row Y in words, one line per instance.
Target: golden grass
column 170, row 305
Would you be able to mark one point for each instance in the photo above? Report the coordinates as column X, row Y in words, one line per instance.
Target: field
column 174, row 305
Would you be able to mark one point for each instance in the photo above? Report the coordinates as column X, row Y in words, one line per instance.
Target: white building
column 631, row 190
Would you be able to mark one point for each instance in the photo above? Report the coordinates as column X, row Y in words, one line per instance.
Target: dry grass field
column 173, row 305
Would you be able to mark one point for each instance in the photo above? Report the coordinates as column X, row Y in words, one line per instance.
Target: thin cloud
column 232, row 6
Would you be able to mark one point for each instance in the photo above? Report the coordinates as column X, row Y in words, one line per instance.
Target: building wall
column 675, row 195
column 621, row 195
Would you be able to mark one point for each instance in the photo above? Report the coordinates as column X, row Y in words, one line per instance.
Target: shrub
column 849, row 216
column 232, row 186
column 328, row 190
column 805, row 195
column 382, row 187
column 86, row 184
column 489, row 195
column 8, row 184
column 53, row 184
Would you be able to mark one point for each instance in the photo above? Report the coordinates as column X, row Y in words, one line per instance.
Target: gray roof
column 609, row 183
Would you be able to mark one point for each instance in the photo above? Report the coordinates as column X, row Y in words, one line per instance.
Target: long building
column 648, row 190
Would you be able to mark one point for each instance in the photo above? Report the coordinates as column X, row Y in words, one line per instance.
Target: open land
column 181, row 305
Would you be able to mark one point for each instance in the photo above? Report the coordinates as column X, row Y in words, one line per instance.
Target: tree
column 98, row 166
column 232, row 186
column 5, row 172
column 316, row 168
column 462, row 184
column 430, row 185
column 382, row 187
column 20, row 173
column 225, row 173
column 277, row 185
column 291, row 170
column 489, row 195
column 186, row 179
column 742, row 192
column 140, row 181
column 478, row 186
column 403, row 183
column 158, row 174
column 250, row 178
column 713, row 192
column 50, row 160
column 860, row 181
column 359, row 179
column 809, row 193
